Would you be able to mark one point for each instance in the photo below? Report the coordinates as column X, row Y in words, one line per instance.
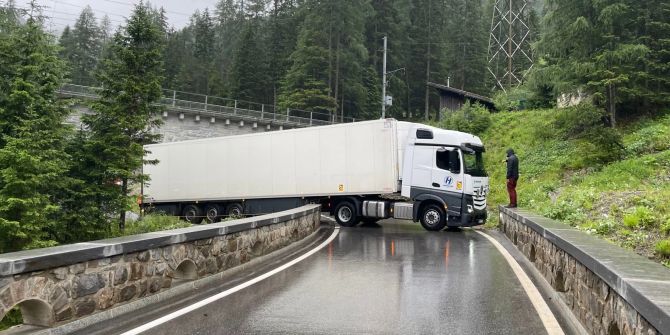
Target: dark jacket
column 512, row 165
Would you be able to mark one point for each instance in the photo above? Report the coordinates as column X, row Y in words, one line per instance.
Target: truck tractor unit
column 363, row 171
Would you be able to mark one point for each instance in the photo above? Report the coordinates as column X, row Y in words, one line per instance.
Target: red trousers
column 511, row 189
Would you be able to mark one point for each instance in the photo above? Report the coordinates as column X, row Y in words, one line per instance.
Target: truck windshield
column 474, row 163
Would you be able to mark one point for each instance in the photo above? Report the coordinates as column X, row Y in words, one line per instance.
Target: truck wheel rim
column 432, row 217
column 235, row 212
column 344, row 214
column 190, row 215
column 212, row 214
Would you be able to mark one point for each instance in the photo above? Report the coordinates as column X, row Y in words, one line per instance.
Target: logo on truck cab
column 340, row 188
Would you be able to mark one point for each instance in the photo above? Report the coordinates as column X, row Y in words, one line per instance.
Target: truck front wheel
column 433, row 218
column 345, row 214
column 192, row 214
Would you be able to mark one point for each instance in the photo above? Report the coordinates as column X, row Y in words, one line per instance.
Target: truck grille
column 479, row 202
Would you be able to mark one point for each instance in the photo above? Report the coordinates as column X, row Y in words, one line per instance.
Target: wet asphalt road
column 393, row 278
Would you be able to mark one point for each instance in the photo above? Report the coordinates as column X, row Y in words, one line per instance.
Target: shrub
column 663, row 248
column 11, row 319
column 150, row 223
column 640, row 217
column 585, row 123
column 471, row 118
column 513, row 100
column 665, row 228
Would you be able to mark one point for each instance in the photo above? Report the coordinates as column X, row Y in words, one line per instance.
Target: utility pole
column 384, row 81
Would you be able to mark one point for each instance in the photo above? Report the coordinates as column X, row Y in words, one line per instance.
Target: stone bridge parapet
column 610, row 290
column 60, row 284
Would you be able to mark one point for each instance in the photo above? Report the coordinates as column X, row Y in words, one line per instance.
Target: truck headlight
column 470, row 209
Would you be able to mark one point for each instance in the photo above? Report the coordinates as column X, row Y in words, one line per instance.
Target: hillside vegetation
column 570, row 173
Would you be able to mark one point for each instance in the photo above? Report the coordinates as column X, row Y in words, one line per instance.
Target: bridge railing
column 219, row 106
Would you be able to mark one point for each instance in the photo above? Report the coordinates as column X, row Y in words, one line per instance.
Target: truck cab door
column 447, row 177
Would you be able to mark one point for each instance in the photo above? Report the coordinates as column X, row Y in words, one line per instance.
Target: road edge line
column 548, row 318
column 220, row 295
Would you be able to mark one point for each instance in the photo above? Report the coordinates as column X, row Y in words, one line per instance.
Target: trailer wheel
column 213, row 213
column 192, row 214
column 235, row 210
column 345, row 214
column 433, row 218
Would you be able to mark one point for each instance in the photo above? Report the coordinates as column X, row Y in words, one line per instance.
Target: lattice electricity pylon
column 510, row 56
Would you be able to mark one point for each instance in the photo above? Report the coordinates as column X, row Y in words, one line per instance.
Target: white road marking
column 547, row 317
column 328, row 218
column 230, row 291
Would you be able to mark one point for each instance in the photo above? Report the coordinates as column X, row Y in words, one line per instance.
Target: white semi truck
column 363, row 171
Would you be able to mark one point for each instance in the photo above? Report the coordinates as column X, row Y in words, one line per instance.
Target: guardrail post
column 206, row 102
column 311, row 114
column 235, row 108
column 262, row 110
column 174, row 97
column 288, row 112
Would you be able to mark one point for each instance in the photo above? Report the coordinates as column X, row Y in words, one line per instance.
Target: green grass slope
column 626, row 201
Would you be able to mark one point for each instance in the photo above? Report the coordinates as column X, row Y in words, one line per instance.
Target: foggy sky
column 65, row 12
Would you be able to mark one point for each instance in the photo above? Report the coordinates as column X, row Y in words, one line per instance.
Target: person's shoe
column 511, row 206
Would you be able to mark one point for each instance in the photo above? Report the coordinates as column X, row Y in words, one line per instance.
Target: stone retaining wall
column 609, row 290
column 61, row 284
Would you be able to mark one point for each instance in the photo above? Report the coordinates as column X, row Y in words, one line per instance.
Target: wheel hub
column 344, row 214
column 432, row 218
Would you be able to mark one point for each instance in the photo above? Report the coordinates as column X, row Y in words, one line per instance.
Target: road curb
column 566, row 318
column 133, row 306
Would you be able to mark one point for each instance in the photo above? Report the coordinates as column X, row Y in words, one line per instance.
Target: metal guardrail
column 199, row 104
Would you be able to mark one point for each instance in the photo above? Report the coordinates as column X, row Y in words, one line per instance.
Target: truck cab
column 443, row 174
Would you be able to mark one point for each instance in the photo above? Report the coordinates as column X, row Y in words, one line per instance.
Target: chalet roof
column 466, row 94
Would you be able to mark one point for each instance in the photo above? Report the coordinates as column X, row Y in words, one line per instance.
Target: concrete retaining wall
column 181, row 126
column 64, row 283
column 609, row 290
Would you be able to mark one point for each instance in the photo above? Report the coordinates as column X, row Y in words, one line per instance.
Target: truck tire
column 370, row 221
column 213, row 213
column 192, row 214
column 345, row 214
column 433, row 217
column 235, row 210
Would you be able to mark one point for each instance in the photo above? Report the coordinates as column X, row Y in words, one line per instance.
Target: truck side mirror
column 454, row 162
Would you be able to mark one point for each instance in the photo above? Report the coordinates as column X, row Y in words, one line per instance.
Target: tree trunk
column 342, row 108
column 330, row 57
column 611, row 104
column 337, row 70
column 124, row 192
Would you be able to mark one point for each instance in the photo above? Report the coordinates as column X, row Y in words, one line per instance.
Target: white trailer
column 358, row 171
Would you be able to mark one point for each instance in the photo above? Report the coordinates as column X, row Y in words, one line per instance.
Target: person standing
column 512, row 176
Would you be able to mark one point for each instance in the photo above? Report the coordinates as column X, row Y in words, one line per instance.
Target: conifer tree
column 465, row 54
column 85, row 49
column 249, row 79
column 390, row 19
column 589, row 46
column 32, row 160
column 105, row 30
column 306, row 83
column 126, row 113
